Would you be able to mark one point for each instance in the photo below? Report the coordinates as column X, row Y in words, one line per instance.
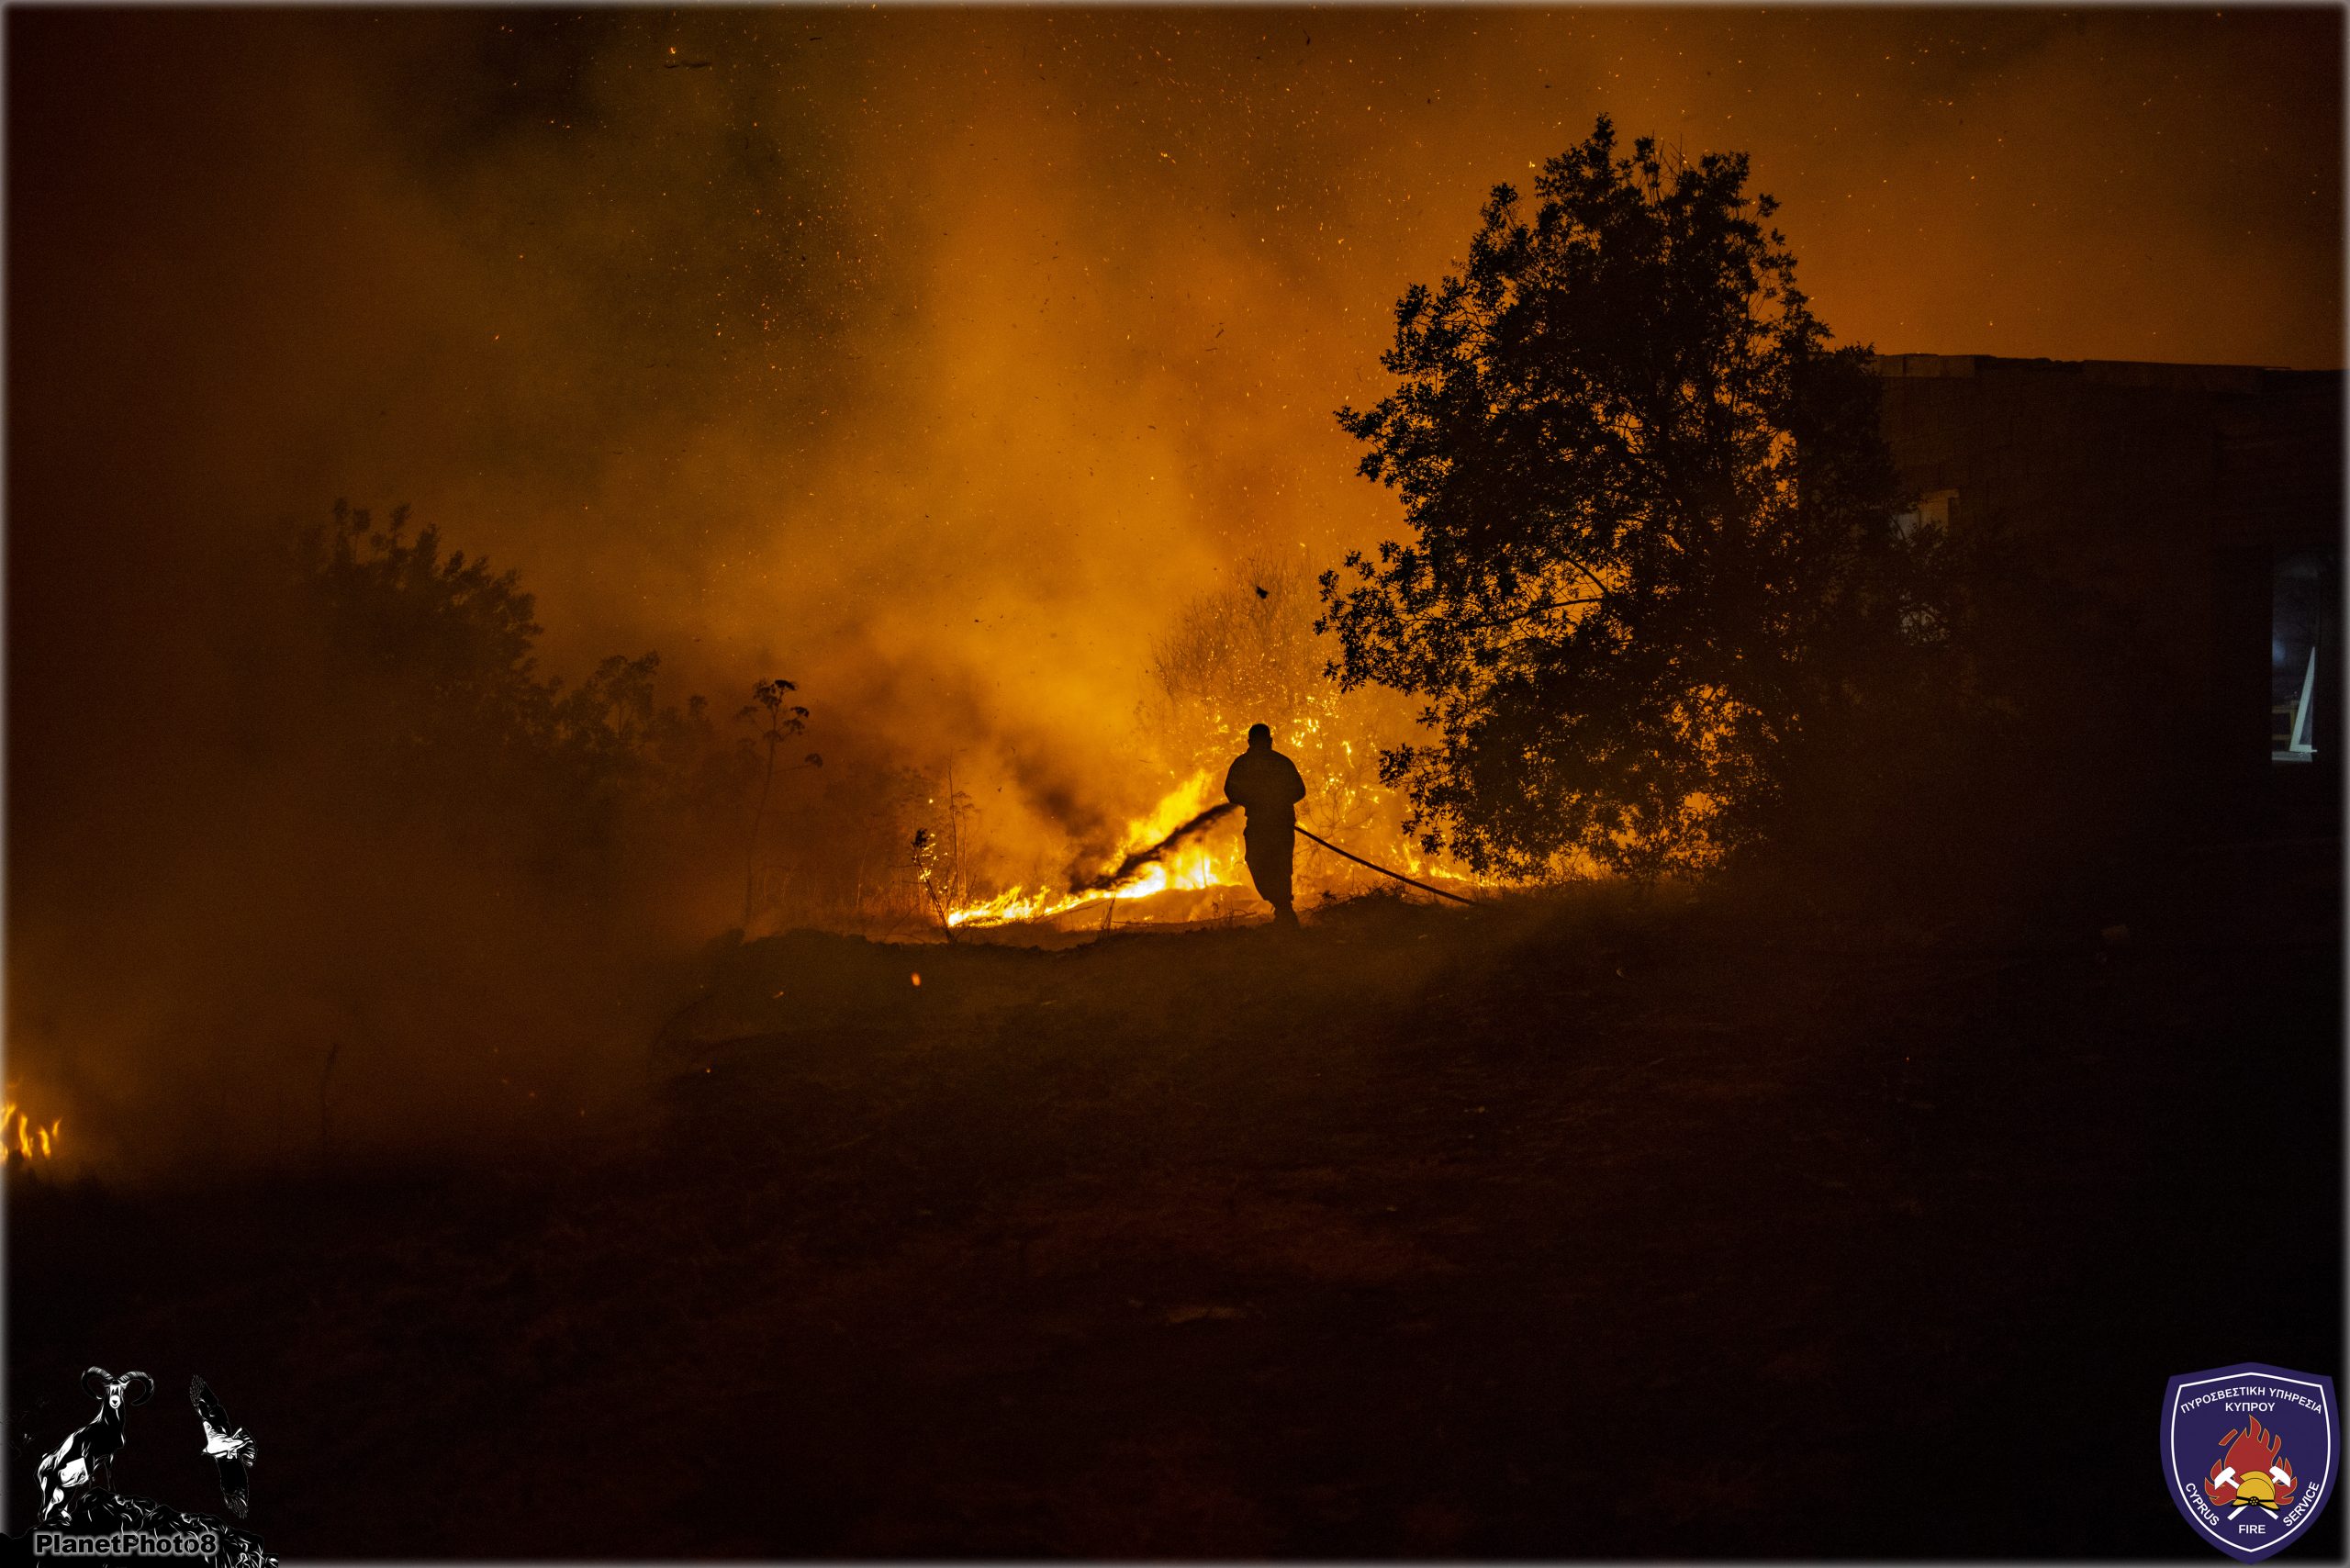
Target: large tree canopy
column 1652, row 522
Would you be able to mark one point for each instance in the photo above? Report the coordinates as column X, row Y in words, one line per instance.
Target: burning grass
column 1189, row 844
column 23, row 1139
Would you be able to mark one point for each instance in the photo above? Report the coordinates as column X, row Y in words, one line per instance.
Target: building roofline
column 2103, row 371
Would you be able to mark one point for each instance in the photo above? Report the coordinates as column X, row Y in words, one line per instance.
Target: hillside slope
column 1611, row 1227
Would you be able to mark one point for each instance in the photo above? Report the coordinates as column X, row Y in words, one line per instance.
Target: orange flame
column 24, row 1139
column 1214, row 861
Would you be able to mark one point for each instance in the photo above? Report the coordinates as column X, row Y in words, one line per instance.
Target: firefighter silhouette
column 1267, row 784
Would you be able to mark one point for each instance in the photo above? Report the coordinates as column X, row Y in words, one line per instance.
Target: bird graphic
column 226, row 1445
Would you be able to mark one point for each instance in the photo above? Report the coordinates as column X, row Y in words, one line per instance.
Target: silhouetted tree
column 928, row 858
column 1652, row 543
column 955, row 807
column 783, row 722
column 1245, row 653
column 405, row 675
column 1241, row 654
column 436, row 652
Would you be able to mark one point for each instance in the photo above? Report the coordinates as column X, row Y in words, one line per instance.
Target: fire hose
column 1383, row 870
column 1111, row 880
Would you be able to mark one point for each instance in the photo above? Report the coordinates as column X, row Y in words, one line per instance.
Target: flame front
column 1213, row 861
column 24, row 1139
column 1216, row 859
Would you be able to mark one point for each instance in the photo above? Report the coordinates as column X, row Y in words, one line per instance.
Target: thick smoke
column 929, row 359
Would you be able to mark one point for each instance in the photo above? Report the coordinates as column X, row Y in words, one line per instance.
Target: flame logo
column 2254, row 1472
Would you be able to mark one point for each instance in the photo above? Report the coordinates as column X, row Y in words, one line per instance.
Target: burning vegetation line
column 1172, row 859
column 1150, row 869
column 1115, row 879
column 22, row 1138
column 1141, row 873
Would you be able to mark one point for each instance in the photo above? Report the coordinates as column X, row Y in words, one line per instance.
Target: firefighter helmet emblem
column 2249, row 1452
column 2253, row 1474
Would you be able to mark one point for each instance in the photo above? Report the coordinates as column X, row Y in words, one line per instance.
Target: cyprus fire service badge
column 2249, row 1454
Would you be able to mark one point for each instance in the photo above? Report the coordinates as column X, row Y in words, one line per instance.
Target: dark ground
column 1599, row 1228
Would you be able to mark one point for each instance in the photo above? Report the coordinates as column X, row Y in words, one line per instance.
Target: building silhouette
column 2174, row 616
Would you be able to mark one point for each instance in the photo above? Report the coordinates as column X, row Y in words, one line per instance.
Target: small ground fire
column 22, row 1138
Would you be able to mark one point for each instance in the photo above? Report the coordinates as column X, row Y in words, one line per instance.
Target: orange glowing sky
column 930, row 356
